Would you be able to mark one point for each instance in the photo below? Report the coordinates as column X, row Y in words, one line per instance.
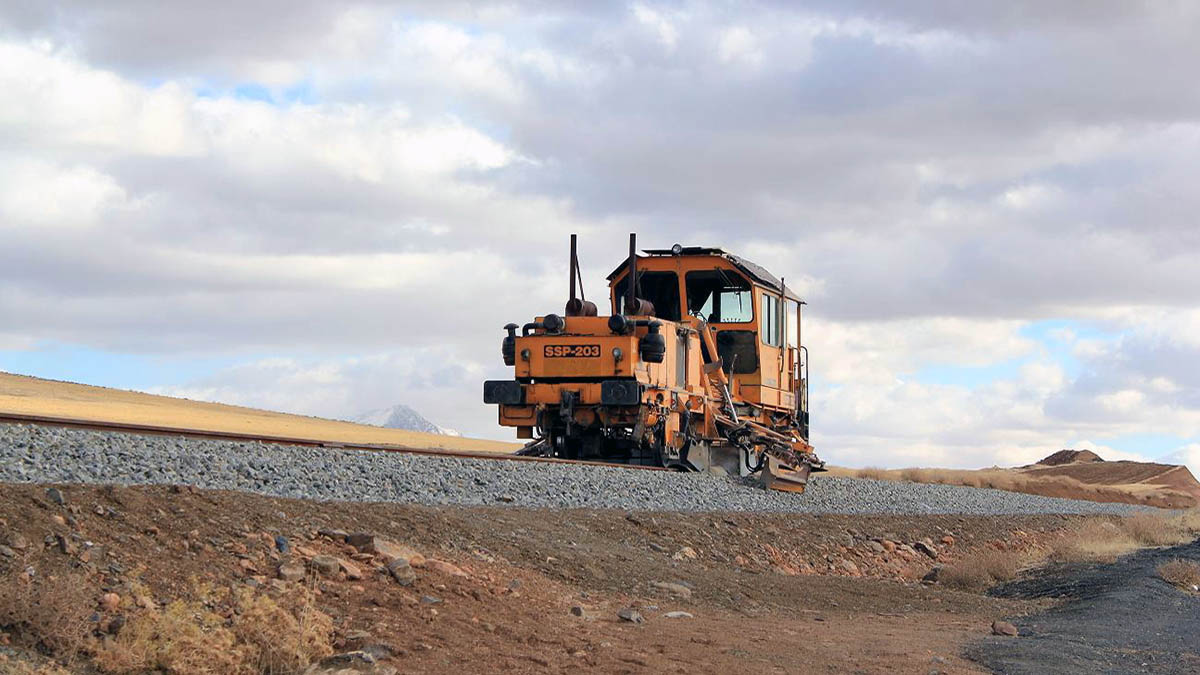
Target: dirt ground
column 766, row 593
column 20, row 394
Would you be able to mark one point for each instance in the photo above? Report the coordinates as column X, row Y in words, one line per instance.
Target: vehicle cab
column 755, row 318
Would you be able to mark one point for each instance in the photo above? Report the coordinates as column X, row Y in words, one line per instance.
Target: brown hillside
column 1071, row 474
column 1070, row 457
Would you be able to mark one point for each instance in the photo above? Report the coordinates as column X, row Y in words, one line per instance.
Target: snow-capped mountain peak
column 401, row 417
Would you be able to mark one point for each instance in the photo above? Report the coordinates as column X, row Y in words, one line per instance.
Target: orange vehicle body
column 698, row 367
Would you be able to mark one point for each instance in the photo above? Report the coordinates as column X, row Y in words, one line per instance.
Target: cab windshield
column 719, row 296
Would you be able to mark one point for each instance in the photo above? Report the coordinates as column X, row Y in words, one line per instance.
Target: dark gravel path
column 1117, row 618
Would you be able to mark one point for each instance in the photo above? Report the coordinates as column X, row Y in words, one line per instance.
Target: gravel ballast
column 42, row 454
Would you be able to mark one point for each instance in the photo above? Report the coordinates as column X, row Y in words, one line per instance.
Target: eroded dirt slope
column 502, row 586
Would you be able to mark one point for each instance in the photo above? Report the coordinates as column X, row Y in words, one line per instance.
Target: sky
column 326, row 207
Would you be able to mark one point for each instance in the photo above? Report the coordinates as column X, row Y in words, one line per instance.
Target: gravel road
column 1112, row 618
column 36, row 454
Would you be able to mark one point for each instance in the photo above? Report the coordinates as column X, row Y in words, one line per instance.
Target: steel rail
column 155, row 430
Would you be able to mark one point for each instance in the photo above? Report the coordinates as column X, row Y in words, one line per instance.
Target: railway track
column 156, row 430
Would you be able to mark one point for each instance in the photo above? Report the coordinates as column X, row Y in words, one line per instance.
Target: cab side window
column 772, row 324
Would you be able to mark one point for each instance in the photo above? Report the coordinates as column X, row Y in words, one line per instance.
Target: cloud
column 341, row 388
column 1188, row 455
column 347, row 183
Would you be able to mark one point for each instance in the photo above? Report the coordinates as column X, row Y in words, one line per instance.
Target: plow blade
column 778, row 476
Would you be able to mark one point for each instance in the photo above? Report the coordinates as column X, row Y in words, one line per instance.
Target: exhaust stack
column 635, row 306
column 578, row 306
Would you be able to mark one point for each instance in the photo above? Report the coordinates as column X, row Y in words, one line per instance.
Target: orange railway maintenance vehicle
column 700, row 367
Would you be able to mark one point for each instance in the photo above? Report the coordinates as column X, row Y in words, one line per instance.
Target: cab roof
column 753, row 270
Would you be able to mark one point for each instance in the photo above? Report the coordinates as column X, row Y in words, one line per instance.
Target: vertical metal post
column 574, row 262
column 630, row 293
column 783, row 329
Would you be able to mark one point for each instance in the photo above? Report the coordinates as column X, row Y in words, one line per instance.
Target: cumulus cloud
column 348, row 184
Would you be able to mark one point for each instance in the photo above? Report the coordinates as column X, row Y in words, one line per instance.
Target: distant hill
column 1070, row 457
column 1074, row 474
column 401, row 417
column 1159, row 484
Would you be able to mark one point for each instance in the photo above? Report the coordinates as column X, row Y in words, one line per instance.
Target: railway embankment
column 46, row 454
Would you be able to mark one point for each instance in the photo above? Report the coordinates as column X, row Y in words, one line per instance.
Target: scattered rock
column 507, row 499
column 59, row 520
column 359, row 540
column 443, row 567
column 350, row 663
column 631, row 615
column 402, row 572
column 888, row 545
column 430, row 600
column 379, row 651
column 578, row 610
column 925, row 546
column 848, row 541
column 678, row 590
column 353, row 572
column 1004, row 628
column 685, row 553
column 17, row 542
column 7, row 552
column 347, row 659
column 326, row 565
column 291, row 570
column 282, row 545
column 875, row 547
column 678, row 615
column 66, row 544
column 948, row 540
column 849, row 566
column 336, row 535
column 115, row 624
column 657, row 547
column 110, row 602
column 55, row 495
column 933, row 575
column 386, row 549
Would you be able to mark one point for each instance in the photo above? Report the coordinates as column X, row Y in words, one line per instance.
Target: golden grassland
column 1030, row 482
column 20, row 394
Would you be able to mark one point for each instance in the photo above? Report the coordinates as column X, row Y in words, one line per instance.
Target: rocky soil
column 452, row 589
column 49, row 454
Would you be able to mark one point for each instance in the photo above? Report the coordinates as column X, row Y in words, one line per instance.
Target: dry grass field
column 1123, row 482
column 24, row 395
column 1093, row 540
